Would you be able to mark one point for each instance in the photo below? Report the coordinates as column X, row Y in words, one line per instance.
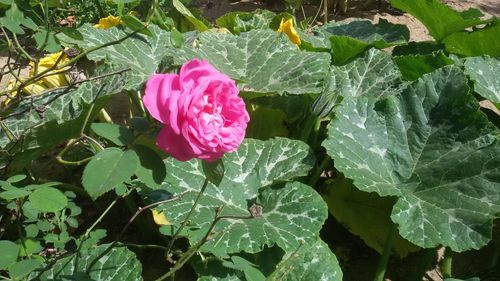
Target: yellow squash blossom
column 57, row 79
column 160, row 218
column 286, row 26
column 32, row 89
column 108, row 22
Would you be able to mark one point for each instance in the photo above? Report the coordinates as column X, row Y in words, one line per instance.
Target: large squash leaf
column 439, row 18
column 364, row 214
column 32, row 123
column 120, row 264
column 286, row 215
column 141, row 53
column 484, row 72
column 262, row 61
column 374, row 75
column 479, row 42
column 347, row 40
column 431, row 147
column 311, row 262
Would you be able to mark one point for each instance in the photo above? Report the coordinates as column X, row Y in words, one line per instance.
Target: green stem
column 384, row 259
column 317, row 173
column 186, row 220
column 447, row 261
column 23, row 51
column 189, row 253
column 146, row 246
column 124, row 229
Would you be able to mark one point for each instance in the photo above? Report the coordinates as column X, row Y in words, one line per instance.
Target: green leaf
column 263, row 61
column 142, row 54
column 151, row 169
column 107, row 169
column 364, row 214
column 431, row 147
column 260, row 126
column 345, row 48
column 29, row 246
column 136, row 24
column 16, row 178
column 373, row 75
column 48, row 199
column 363, row 32
column 9, row 254
column 14, row 193
column 484, row 72
column 476, row 43
column 214, row 171
column 58, row 111
column 119, row 135
column 438, row 17
column 413, row 67
column 310, row 262
column 24, row 267
column 284, row 215
column 52, row 45
column 198, row 24
column 251, row 273
column 238, row 22
column 14, row 18
column 118, row 265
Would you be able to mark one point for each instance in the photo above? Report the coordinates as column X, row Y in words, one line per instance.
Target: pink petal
column 174, row 144
column 159, row 88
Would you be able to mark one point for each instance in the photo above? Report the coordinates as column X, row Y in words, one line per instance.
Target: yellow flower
column 108, row 22
column 32, row 89
column 286, row 26
column 57, row 78
column 160, row 218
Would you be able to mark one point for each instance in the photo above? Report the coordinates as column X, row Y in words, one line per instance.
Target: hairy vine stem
column 188, row 216
column 124, row 229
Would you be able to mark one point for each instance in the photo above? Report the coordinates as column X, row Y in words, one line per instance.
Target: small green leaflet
column 431, row 147
column 107, row 169
column 48, row 199
column 9, row 254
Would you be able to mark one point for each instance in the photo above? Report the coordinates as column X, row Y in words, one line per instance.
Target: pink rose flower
column 202, row 113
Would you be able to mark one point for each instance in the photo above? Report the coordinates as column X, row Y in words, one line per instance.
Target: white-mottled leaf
column 33, row 121
column 381, row 35
column 374, row 75
column 485, row 71
column 262, row 61
column 431, row 147
column 141, row 53
column 120, row 264
column 311, row 262
column 286, row 215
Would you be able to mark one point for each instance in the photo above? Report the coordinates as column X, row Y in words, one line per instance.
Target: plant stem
column 325, row 11
column 447, row 261
column 122, row 232
column 317, row 173
column 384, row 259
column 186, row 220
column 189, row 253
